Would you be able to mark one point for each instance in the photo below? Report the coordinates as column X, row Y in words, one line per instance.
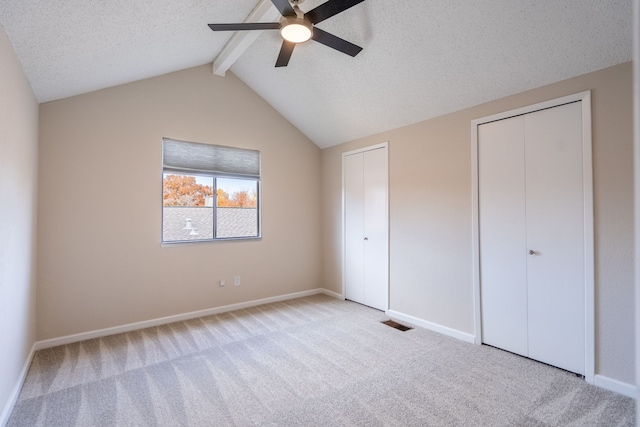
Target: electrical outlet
column 221, row 282
column 236, row 281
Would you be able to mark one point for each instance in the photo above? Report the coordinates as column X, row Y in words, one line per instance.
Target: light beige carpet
column 313, row 361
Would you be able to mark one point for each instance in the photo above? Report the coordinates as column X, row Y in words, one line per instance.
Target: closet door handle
column 366, row 238
column 532, row 252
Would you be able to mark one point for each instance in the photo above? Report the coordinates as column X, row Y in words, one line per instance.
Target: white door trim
column 587, row 169
column 384, row 145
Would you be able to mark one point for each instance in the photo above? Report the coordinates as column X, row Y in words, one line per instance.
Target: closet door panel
column 555, row 232
column 354, row 227
column 376, row 256
column 503, row 234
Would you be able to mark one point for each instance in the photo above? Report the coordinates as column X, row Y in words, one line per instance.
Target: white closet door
column 532, row 249
column 366, row 228
column 555, row 232
column 376, row 252
column 354, row 227
column 503, row 234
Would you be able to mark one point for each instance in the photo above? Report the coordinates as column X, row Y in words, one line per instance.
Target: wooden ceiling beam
column 264, row 11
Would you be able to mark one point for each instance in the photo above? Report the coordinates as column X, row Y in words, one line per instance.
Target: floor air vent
column 396, row 325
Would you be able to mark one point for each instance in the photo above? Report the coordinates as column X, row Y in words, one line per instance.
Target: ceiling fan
column 298, row 27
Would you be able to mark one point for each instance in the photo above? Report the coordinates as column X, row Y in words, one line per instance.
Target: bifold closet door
column 531, row 214
column 354, row 227
column 503, row 234
column 366, row 228
column 555, row 233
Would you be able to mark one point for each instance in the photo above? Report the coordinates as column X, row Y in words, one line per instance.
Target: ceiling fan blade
column 284, row 7
column 328, row 9
column 246, row 26
column 335, row 42
column 285, row 53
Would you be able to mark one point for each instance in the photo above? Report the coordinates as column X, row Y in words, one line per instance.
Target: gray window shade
column 180, row 156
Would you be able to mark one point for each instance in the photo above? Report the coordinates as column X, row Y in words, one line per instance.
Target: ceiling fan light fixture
column 296, row 27
column 296, row 30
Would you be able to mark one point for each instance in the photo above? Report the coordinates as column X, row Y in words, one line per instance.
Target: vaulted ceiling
column 421, row 59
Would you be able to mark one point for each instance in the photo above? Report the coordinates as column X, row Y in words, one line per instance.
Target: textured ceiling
column 421, row 59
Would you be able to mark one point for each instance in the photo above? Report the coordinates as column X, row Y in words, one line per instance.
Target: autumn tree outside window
column 209, row 192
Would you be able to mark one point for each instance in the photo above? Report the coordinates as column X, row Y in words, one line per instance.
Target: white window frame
column 227, row 170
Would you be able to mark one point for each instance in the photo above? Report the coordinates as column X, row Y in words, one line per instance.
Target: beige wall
column 430, row 213
column 636, row 98
column 100, row 261
column 18, row 178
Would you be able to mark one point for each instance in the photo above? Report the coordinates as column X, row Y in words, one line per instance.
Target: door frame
column 384, row 145
column 587, row 177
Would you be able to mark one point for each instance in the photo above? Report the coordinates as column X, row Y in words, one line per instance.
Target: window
column 209, row 192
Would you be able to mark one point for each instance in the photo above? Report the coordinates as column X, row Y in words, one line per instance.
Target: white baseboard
column 432, row 326
column 13, row 397
column 332, row 294
column 610, row 384
column 68, row 339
